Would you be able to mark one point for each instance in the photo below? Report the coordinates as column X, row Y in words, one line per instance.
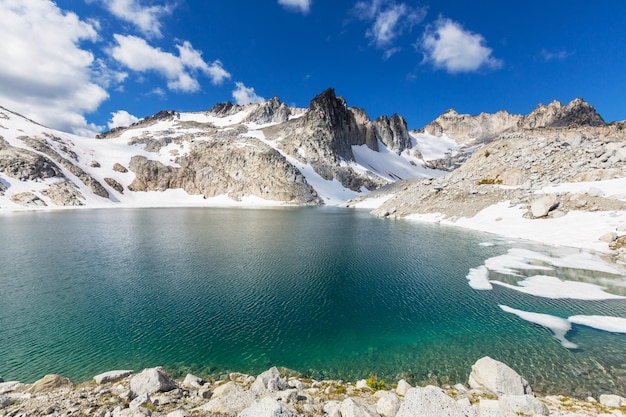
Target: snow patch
column 479, row 278
column 605, row 323
column 554, row 288
column 557, row 325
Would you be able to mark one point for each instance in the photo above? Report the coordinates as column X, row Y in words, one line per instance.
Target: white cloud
column 555, row 56
column 388, row 21
column 44, row 73
column 180, row 71
column 302, row 6
column 121, row 118
column 245, row 95
column 145, row 18
column 448, row 46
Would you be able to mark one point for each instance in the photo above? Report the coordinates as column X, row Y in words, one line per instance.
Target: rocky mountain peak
column 393, row 132
column 577, row 113
column 225, row 109
column 270, row 111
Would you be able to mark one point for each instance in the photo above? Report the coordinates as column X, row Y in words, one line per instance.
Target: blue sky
column 86, row 65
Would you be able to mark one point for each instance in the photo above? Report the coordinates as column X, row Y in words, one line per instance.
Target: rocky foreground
column 494, row 390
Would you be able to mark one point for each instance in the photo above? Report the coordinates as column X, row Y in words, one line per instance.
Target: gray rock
column 119, row 168
column 150, row 381
column 193, row 382
column 270, row 380
column 28, row 199
column 229, row 388
column 523, row 404
column 351, row 408
column 402, row 387
column 5, row 401
column 362, row 385
column 497, row 378
column 111, row 376
column 115, row 185
column 611, row 400
column 388, row 405
column 140, row 401
column 267, row 407
column 230, row 404
column 542, row 206
column 331, row 409
column 430, row 401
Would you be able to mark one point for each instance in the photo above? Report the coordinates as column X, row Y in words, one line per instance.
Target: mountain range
column 258, row 154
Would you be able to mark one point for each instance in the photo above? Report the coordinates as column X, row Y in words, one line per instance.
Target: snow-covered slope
column 212, row 158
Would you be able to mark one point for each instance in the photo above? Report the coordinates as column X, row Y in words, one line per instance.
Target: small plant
column 490, row 181
column 375, row 384
column 487, row 153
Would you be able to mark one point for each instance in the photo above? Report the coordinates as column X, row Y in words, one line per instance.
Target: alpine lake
column 331, row 293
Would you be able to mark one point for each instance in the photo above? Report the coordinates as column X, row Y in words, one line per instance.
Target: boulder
column 140, row 401
column 542, row 206
column 229, row 388
column 192, row 382
column 350, row 408
column 611, row 400
column 523, row 405
column 5, row 401
column 497, row 378
column 402, row 387
column 362, row 385
column 150, row 381
column 388, row 405
column 111, row 376
column 430, row 401
column 117, row 167
column 267, row 407
column 229, row 404
column 331, row 409
column 270, row 380
column 50, row 383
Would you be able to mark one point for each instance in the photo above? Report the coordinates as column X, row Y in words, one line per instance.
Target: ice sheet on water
column 559, row 326
column 555, row 288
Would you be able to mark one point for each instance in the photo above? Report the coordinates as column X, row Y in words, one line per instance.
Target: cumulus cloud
column 245, row 95
column 145, row 18
column 388, row 21
column 180, row 71
column 446, row 45
column 121, row 118
column 302, row 6
column 45, row 74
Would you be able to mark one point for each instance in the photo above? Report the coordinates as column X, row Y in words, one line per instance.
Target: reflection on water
column 330, row 293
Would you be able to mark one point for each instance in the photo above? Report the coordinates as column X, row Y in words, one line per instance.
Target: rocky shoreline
column 493, row 390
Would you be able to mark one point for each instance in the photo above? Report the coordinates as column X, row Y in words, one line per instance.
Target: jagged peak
column 146, row 121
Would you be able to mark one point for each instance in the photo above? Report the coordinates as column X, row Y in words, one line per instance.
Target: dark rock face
column 334, row 126
column 25, row 165
column 115, row 185
column 393, row 132
column 225, row 109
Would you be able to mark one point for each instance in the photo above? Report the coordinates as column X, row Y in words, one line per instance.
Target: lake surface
column 331, row 293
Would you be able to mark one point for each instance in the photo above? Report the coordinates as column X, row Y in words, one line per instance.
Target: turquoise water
column 330, row 293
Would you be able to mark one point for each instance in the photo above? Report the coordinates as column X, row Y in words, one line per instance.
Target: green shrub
column 375, row 384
